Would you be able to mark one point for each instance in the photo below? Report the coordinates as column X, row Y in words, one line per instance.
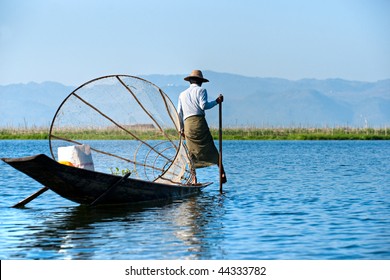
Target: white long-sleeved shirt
column 193, row 102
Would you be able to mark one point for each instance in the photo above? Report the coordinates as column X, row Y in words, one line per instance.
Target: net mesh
column 140, row 120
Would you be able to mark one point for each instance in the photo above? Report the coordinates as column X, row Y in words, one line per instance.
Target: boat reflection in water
column 177, row 230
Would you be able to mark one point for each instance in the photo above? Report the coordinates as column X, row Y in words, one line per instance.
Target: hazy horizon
column 72, row 42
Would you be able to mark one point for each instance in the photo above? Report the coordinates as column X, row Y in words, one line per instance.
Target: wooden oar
column 220, row 147
column 23, row 202
column 109, row 190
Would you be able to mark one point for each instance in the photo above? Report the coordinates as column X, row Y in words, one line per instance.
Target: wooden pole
column 220, row 147
column 23, row 202
column 109, row 190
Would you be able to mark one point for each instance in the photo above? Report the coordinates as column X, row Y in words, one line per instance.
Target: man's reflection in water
column 200, row 228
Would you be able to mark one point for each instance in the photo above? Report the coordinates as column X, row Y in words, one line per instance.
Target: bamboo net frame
column 126, row 104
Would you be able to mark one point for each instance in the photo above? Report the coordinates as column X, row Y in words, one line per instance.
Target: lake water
column 283, row 200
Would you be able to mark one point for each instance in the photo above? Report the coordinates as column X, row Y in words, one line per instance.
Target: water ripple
column 284, row 200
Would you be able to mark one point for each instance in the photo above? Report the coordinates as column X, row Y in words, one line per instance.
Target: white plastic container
column 77, row 156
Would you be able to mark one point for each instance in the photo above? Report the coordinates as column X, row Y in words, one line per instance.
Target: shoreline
column 341, row 133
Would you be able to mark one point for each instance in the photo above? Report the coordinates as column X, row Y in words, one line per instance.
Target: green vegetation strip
column 228, row 134
column 305, row 134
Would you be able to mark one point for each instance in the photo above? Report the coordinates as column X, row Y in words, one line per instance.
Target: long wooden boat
column 85, row 186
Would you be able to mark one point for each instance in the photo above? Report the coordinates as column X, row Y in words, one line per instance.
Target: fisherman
column 193, row 126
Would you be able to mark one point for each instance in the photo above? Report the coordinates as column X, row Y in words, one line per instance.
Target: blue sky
column 73, row 41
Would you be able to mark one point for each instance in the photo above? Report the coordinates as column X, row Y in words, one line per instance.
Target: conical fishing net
column 137, row 118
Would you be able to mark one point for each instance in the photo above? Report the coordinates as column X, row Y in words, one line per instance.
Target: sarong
column 199, row 142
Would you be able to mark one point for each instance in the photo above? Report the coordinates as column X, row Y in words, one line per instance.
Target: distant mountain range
column 249, row 101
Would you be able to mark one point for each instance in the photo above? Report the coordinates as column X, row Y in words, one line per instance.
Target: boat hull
column 85, row 186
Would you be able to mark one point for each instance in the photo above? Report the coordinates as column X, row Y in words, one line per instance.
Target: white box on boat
column 78, row 156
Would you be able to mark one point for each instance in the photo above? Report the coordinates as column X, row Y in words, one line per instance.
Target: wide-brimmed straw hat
column 196, row 74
